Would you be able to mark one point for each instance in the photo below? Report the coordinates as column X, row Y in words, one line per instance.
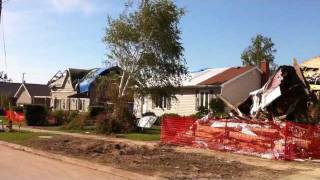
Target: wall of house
column 76, row 106
column 59, row 96
column 237, row 90
column 24, row 98
column 43, row 101
column 184, row 104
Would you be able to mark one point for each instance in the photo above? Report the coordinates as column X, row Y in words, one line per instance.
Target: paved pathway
column 19, row 165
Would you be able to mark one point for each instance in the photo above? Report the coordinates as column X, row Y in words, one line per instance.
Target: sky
column 45, row 36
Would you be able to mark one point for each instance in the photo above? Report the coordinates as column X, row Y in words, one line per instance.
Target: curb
column 82, row 163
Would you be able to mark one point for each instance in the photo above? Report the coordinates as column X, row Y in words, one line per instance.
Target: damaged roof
column 76, row 75
column 226, row 75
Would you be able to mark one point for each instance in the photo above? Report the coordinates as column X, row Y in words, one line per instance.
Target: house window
column 203, row 98
column 63, row 104
column 162, row 102
column 80, row 104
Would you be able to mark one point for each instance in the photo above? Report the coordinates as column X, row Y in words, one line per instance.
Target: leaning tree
column 145, row 41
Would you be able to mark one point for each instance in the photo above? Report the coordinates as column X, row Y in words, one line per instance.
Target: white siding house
column 233, row 83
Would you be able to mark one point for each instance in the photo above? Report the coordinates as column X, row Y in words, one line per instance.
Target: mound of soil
column 158, row 160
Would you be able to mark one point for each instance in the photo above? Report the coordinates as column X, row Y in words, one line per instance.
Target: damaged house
column 233, row 83
column 73, row 89
column 311, row 71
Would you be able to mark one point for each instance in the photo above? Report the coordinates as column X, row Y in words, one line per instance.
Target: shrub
column 2, row 112
column 217, row 107
column 202, row 111
column 77, row 121
column 96, row 110
column 109, row 123
column 159, row 119
column 18, row 109
column 148, row 114
column 36, row 115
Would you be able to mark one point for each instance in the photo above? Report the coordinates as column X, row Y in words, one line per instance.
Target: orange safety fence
column 15, row 116
column 273, row 140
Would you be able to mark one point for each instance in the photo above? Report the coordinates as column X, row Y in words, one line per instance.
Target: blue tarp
column 89, row 78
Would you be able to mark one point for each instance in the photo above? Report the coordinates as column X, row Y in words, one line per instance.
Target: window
column 162, row 102
column 63, row 104
column 203, row 98
column 80, row 104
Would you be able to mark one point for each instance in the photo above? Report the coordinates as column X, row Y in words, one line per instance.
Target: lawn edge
column 79, row 162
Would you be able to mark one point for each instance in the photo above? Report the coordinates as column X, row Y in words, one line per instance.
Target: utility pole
column 23, row 81
column 0, row 9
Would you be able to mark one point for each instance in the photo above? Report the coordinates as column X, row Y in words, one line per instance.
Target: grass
column 147, row 135
column 4, row 120
column 85, row 130
column 20, row 137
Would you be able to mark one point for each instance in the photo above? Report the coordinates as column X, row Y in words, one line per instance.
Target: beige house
column 73, row 89
column 233, row 83
column 311, row 70
column 63, row 85
column 33, row 94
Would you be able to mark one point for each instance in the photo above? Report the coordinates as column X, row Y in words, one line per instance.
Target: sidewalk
column 87, row 136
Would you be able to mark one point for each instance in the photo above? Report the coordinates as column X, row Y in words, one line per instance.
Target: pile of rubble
column 285, row 96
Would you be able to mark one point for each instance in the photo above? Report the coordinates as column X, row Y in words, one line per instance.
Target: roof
column 76, row 75
column 8, row 88
column 200, row 76
column 225, row 76
column 79, row 95
column 93, row 75
column 38, row 89
column 312, row 63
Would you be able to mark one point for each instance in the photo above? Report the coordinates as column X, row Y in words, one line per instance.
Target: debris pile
column 286, row 96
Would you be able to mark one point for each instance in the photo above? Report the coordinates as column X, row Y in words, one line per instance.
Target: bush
column 202, row 111
column 18, row 109
column 108, row 123
column 96, row 110
column 77, row 121
column 36, row 115
column 159, row 119
column 2, row 112
column 217, row 107
column 148, row 114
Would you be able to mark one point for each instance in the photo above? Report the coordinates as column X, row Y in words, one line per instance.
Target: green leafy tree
column 145, row 42
column 262, row 48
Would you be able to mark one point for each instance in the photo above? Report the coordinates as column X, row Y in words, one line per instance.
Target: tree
column 145, row 42
column 262, row 48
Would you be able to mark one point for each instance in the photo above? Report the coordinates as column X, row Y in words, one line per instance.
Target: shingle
column 9, row 89
column 38, row 89
column 225, row 75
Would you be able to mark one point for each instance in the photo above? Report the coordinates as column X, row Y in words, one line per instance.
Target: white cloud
column 85, row 6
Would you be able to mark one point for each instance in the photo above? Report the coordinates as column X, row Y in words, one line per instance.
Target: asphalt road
column 19, row 165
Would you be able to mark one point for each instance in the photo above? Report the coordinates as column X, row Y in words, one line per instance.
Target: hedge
column 36, row 115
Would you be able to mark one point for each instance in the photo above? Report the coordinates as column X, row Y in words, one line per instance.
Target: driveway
column 19, row 165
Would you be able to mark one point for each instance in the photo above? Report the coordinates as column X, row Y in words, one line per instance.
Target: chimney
column 264, row 67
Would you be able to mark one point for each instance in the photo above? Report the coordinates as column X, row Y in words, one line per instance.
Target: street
column 19, row 165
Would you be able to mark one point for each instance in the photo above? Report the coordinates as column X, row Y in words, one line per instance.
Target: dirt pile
column 160, row 160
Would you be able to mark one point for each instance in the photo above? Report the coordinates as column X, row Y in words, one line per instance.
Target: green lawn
column 20, row 137
column 152, row 134
column 5, row 121
column 86, row 130
column 147, row 135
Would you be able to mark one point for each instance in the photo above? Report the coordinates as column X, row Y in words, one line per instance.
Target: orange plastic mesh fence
column 283, row 140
